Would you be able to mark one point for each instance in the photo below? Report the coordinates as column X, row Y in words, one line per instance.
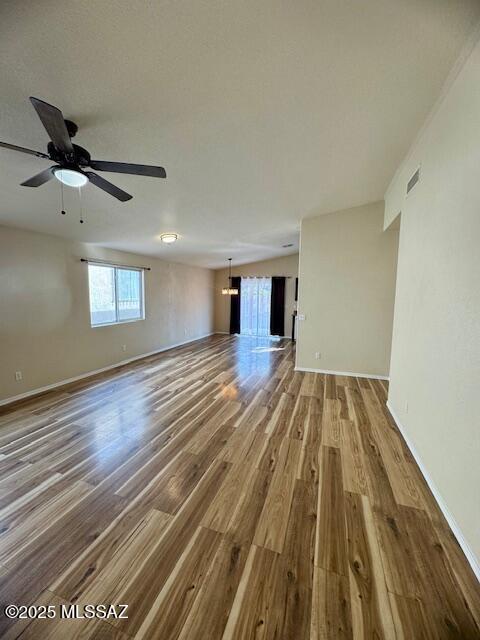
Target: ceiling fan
column 71, row 160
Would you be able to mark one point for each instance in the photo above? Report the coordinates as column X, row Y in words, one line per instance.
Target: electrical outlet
column 406, row 406
column 18, row 376
column 124, row 347
column 185, row 331
column 301, row 316
column 318, row 355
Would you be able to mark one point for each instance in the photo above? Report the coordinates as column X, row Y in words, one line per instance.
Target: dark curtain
column 294, row 314
column 235, row 306
column 277, row 309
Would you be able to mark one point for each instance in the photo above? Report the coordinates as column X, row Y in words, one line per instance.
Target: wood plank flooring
column 223, row 495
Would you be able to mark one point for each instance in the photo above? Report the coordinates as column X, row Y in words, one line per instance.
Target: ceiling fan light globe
column 71, row 178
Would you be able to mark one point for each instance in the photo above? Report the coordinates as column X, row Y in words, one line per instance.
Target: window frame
column 117, row 268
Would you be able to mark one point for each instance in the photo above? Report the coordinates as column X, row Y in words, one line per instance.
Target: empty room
column 240, row 320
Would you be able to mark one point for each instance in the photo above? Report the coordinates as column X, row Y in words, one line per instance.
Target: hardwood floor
column 221, row 494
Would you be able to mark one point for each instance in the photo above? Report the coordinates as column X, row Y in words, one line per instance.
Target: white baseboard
column 239, row 335
column 88, row 374
column 472, row 559
column 342, row 373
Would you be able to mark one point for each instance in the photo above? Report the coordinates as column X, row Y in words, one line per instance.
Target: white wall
column 45, row 327
column 435, row 365
column 346, row 291
column 284, row 266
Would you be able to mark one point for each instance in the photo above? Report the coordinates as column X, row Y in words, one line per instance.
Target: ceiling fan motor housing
column 80, row 157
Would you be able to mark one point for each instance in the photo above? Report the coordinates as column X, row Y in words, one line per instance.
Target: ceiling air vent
column 413, row 180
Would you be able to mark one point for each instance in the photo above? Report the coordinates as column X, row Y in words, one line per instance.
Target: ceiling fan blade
column 53, row 121
column 107, row 186
column 39, row 179
column 31, row 152
column 126, row 167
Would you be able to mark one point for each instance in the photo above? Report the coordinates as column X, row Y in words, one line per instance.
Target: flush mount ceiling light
column 168, row 238
column 70, row 177
column 230, row 291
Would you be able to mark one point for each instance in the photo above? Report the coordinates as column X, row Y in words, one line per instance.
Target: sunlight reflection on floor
column 255, row 356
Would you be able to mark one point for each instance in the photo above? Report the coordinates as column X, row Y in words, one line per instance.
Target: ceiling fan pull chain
column 81, row 208
column 63, row 206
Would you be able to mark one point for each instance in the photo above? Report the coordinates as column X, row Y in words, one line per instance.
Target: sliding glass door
column 255, row 300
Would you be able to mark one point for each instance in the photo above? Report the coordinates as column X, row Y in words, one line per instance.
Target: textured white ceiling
column 261, row 112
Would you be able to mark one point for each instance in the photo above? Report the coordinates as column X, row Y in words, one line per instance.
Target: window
column 116, row 294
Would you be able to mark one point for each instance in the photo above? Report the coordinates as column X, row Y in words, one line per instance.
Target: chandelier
column 230, row 291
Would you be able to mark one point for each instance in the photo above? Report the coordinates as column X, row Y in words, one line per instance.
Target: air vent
column 413, row 180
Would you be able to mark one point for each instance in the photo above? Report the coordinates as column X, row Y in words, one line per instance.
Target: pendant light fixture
column 230, row 291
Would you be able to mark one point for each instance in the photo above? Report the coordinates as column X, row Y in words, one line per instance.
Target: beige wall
column 284, row 266
column 346, row 291
column 435, row 367
column 45, row 327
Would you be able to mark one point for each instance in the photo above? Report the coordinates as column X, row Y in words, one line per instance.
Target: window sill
column 114, row 324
